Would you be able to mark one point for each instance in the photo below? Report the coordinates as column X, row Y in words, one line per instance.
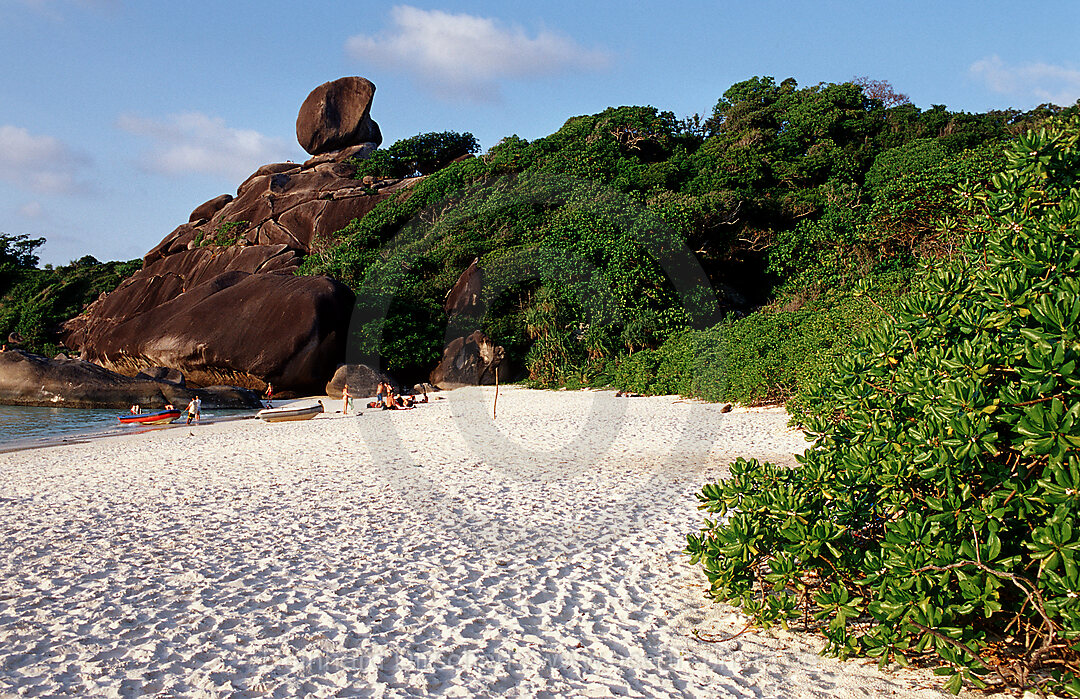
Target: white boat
column 290, row 412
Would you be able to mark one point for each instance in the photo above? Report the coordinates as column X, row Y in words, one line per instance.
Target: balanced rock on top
column 336, row 115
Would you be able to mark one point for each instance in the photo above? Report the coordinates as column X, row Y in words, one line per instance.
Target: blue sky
column 117, row 117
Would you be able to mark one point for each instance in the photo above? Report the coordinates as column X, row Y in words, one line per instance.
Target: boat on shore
column 160, row 417
column 289, row 413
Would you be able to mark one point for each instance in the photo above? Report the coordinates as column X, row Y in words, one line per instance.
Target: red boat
column 159, row 418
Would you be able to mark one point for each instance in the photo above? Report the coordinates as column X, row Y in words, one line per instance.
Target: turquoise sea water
column 28, row 426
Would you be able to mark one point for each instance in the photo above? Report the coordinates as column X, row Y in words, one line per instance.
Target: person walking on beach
column 269, row 395
column 191, row 410
column 345, row 398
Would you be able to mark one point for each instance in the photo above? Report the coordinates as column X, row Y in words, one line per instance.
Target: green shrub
column 422, row 154
column 938, row 507
column 769, row 356
column 229, row 233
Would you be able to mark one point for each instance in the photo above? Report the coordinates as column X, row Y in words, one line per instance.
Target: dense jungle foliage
column 34, row 302
column 936, row 514
column 627, row 246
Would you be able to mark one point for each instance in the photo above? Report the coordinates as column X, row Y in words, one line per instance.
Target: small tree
column 18, row 251
column 881, row 90
column 422, row 154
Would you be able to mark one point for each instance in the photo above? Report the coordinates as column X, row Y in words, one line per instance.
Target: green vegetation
column 619, row 247
column 936, row 514
column 605, row 237
column 17, row 252
column 422, row 154
column 226, row 235
column 769, row 356
column 34, row 302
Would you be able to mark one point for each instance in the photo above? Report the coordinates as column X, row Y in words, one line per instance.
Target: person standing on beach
column 345, row 397
column 191, row 410
column 198, row 409
column 269, row 395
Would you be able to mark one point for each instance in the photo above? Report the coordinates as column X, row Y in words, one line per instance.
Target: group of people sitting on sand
column 386, row 398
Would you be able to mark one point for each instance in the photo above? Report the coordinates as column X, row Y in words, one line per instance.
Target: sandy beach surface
column 430, row 552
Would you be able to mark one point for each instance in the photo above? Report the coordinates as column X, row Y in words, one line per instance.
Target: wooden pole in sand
column 495, row 404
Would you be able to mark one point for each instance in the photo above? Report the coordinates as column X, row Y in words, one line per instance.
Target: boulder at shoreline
column 30, row 379
column 468, row 361
column 362, row 380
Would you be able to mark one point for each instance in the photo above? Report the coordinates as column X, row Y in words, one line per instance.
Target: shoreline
column 433, row 551
column 117, row 430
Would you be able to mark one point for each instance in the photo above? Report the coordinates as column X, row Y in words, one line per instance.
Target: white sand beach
column 430, row 552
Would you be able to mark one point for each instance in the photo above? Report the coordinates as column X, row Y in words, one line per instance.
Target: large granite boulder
column 362, row 380
column 235, row 328
column 336, row 115
column 204, row 211
column 468, row 361
column 30, row 379
column 464, row 297
column 470, row 358
column 162, row 374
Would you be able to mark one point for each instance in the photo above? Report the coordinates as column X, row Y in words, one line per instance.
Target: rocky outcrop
column 234, row 328
column 337, row 115
column 30, row 379
column 204, row 211
column 162, row 374
column 468, row 361
column 464, row 297
column 470, row 358
column 362, row 380
column 217, row 299
column 281, row 204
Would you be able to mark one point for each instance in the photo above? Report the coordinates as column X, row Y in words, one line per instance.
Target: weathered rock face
column 464, row 296
column 281, row 204
column 336, row 115
column 468, row 361
column 235, row 328
column 30, row 379
column 362, row 380
column 162, row 374
column 217, row 299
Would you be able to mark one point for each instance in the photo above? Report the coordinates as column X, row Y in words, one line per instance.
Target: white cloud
column 457, row 54
column 1042, row 81
column 40, row 163
column 193, row 142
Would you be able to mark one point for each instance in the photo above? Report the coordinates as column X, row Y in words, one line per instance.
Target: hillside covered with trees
column 34, row 302
column 726, row 256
